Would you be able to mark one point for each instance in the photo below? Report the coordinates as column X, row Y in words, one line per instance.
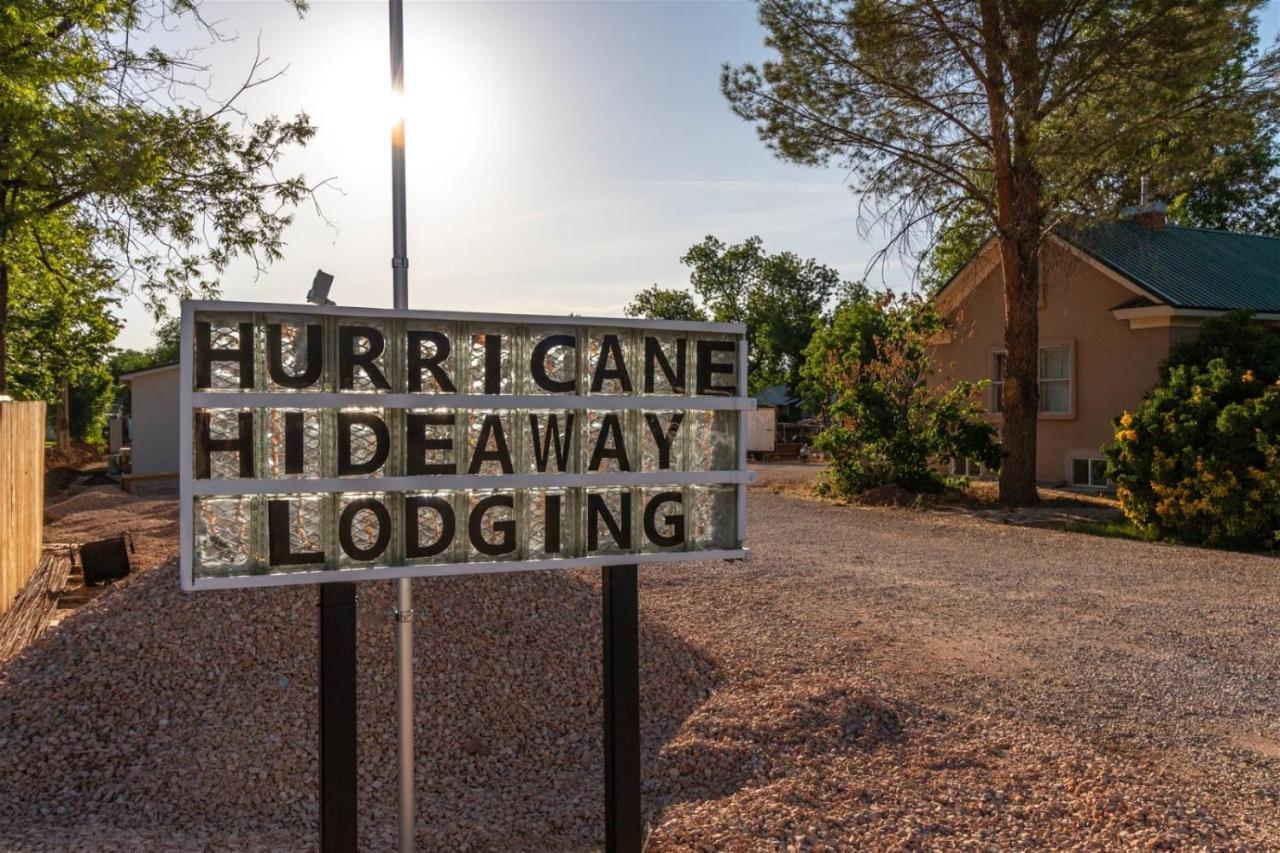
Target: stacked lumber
column 27, row 618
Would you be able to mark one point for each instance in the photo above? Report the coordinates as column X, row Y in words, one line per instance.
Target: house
column 153, row 425
column 1113, row 300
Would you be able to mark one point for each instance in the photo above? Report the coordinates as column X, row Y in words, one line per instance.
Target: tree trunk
column 64, row 418
column 1020, row 399
column 1010, row 58
column 4, row 327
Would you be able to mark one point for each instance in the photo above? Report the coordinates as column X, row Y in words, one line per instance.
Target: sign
column 335, row 444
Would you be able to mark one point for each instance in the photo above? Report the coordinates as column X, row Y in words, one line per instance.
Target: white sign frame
column 190, row 488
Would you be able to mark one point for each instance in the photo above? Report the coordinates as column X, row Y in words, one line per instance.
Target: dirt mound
column 94, row 499
column 157, row 717
column 103, row 512
column 736, row 740
column 78, row 456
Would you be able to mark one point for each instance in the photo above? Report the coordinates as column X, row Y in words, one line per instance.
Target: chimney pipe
column 1151, row 215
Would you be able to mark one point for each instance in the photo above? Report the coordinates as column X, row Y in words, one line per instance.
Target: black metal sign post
column 337, row 717
column 620, row 606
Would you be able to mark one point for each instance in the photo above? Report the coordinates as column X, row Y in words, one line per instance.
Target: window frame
column 997, row 358
column 1105, row 485
column 973, row 469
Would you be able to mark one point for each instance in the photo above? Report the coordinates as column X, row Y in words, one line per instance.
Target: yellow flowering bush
column 1199, row 461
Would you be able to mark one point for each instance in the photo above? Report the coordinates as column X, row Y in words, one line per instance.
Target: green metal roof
column 1190, row 267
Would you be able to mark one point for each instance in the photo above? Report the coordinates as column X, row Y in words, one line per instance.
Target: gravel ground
column 870, row 679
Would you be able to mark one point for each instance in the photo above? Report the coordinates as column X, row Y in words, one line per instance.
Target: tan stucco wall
column 1113, row 365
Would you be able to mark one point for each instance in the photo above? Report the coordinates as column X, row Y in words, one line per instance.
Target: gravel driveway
column 1072, row 690
column 870, row 679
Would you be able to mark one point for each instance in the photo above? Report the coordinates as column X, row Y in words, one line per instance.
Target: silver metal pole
column 400, row 296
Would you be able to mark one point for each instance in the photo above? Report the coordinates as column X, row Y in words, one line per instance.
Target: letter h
column 206, row 354
column 207, row 446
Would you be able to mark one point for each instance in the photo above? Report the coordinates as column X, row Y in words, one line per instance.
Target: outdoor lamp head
column 319, row 293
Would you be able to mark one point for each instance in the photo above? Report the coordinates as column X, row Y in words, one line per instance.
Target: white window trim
column 1079, row 456
column 973, row 469
column 1054, row 343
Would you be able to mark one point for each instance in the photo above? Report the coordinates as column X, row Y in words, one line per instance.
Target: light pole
column 400, row 301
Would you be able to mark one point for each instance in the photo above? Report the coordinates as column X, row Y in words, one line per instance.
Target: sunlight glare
column 450, row 113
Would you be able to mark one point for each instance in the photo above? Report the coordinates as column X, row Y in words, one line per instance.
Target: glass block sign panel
column 364, row 528
column 363, row 442
column 611, row 356
column 713, row 441
column 362, row 356
column 661, row 434
column 222, row 535
column 608, row 521
column 230, row 338
column 712, row 509
column 430, row 360
column 553, row 362
column 491, row 525
column 490, row 360
column 430, row 524
column 293, row 443
column 552, row 443
column 663, row 519
column 324, row 443
column 490, row 438
column 294, row 348
column 548, row 517
column 607, row 444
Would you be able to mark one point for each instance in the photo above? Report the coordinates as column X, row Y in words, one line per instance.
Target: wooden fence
column 21, row 496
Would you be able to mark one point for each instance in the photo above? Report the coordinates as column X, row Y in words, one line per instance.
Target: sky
column 560, row 156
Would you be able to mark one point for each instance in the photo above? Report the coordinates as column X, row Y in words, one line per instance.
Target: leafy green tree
column 780, row 297
column 958, row 239
column 722, row 275
column 1241, row 193
column 661, row 303
column 869, row 371
column 1025, row 110
column 89, row 402
column 63, row 326
column 94, row 128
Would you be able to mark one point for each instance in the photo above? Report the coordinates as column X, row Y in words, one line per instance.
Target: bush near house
column 868, row 370
column 1199, row 461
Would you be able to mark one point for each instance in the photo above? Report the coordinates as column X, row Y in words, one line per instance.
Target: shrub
column 1199, row 462
column 868, row 370
column 1234, row 338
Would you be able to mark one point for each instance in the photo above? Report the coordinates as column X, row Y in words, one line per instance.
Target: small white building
column 153, row 425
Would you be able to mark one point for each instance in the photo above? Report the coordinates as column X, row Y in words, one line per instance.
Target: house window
column 1055, row 380
column 964, row 467
column 1089, row 473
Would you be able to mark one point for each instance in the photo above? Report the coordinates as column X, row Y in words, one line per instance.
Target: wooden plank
column 21, row 495
column 36, row 602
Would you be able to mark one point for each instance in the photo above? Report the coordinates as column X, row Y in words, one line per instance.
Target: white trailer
column 761, row 429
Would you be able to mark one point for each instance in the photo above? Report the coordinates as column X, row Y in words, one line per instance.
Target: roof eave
column 134, row 374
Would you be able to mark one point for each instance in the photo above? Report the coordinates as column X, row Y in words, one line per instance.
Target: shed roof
column 155, row 368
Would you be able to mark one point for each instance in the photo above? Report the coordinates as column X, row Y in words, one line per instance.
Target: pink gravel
column 870, row 679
